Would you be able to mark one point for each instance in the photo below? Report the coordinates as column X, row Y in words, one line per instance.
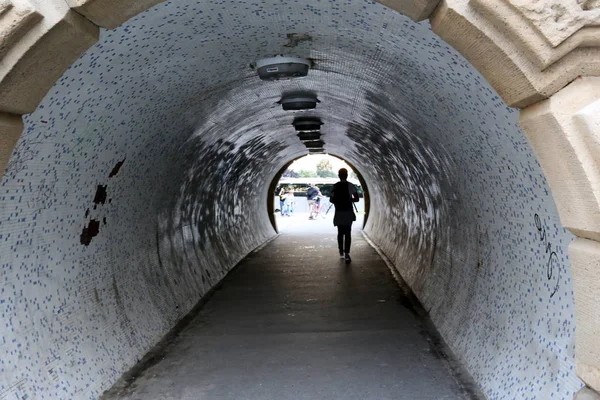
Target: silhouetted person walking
column 343, row 195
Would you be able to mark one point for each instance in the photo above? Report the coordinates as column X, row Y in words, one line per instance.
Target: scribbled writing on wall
column 43, row 195
column 28, row 147
column 552, row 262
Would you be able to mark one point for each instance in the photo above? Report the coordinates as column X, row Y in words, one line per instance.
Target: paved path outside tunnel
column 294, row 322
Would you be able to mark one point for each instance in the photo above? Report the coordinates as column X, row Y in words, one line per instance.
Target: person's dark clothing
column 312, row 193
column 281, row 200
column 342, row 196
column 344, row 238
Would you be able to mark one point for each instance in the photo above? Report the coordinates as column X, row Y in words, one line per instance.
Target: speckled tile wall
column 141, row 180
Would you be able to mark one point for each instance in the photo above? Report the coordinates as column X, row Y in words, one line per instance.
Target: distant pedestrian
column 290, row 203
column 343, row 195
column 281, row 199
column 318, row 203
column 311, row 195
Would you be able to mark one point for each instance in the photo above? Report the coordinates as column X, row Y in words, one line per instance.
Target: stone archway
column 540, row 55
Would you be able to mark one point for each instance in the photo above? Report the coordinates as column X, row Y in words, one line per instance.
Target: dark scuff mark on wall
column 405, row 158
column 100, row 197
column 296, row 38
column 116, row 169
column 93, row 226
column 218, row 181
column 89, row 232
column 121, row 310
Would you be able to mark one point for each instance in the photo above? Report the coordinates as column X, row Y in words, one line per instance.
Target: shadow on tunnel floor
column 292, row 321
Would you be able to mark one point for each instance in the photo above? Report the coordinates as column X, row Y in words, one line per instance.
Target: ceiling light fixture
column 308, row 136
column 299, row 101
column 314, row 144
column 307, row 124
column 282, row 68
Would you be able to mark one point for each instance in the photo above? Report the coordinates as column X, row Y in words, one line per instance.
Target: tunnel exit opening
column 287, row 195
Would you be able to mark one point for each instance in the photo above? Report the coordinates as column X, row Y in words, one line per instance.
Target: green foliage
column 290, row 173
column 303, row 173
column 325, row 169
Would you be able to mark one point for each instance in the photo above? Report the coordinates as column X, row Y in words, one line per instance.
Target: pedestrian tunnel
column 144, row 176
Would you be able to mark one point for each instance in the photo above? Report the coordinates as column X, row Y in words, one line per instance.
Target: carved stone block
column 11, row 127
column 557, row 20
column 513, row 53
column 586, row 394
column 564, row 132
column 34, row 63
column 546, row 30
column 16, row 19
column 417, row 10
column 111, row 13
column 585, row 264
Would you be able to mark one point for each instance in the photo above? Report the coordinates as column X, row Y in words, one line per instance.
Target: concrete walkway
column 294, row 322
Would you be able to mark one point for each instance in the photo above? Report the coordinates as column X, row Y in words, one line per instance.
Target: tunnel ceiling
column 142, row 179
column 183, row 65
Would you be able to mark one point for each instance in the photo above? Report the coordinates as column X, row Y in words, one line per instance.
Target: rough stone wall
column 141, row 180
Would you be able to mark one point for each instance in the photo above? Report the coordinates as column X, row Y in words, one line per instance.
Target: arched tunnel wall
column 142, row 179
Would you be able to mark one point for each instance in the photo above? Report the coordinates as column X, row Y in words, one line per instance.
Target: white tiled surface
column 455, row 190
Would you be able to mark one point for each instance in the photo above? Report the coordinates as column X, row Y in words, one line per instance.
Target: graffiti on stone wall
column 24, row 152
column 552, row 262
column 43, row 195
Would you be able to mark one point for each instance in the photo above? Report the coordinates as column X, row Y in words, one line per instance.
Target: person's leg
column 340, row 238
column 347, row 238
column 346, row 230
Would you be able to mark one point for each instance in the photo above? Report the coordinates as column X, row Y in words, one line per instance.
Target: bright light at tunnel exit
column 309, row 163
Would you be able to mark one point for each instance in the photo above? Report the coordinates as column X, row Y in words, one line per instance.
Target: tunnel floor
column 292, row 321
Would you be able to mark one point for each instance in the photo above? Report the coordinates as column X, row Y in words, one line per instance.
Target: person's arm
column 332, row 196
